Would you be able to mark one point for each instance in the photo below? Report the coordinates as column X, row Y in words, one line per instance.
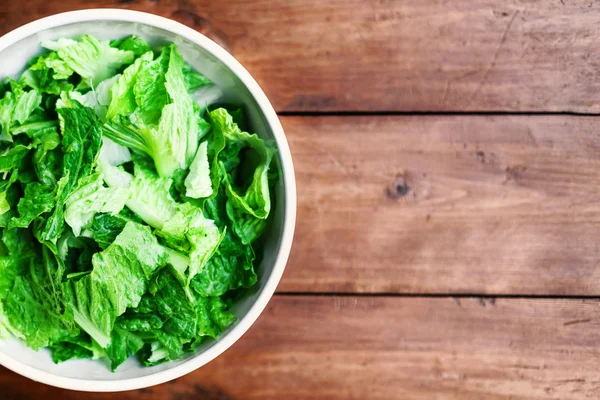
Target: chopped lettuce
column 132, row 43
column 90, row 198
column 247, row 208
column 163, row 123
column 198, row 183
column 128, row 212
column 118, row 280
column 94, row 60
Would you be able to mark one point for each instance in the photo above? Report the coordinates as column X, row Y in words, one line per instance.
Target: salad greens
column 129, row 214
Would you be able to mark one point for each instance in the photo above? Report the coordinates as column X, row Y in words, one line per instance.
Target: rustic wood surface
column 385, row 55
column 446, row 204
column 402, row 212
column 381, row 348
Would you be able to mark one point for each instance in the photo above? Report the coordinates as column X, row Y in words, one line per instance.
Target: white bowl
column 18, row 46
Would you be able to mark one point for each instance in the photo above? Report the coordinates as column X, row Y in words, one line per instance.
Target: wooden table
column 448, row 237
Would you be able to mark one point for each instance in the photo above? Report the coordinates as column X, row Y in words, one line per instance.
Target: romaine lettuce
column 128, row 212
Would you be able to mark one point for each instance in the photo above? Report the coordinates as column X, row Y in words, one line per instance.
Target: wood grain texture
column 344, row 55
column 378, row 348
column 446, row 204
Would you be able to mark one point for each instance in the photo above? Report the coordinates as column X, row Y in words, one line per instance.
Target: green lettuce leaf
column 256, row 199
column 114, row 154
column 249, row 203
column 5, row 185
column 204, row 238
column 150, row 198
column 81, row 346
column 34, row 127
column 47, row 160
column 132, row 43
column 118, row 281
column 92, row 197
column 58, row 44
column 26, row 104
column 212, row 316
column 173, row 306
column 198, row 182
column 230, row 268
column 81, row 142
column 123, row 344
column 150, row 89
column 48, row 74
column 32, row 318
column 164, row 125
column 39, row 197
column 7, row 106
column 33, row 305
column 12, row 157
column 6, row 329
column 106, row 227
column 189, row 231
column 37, row 200
column 123, row 100
column 17, row 108
column 165, row 316
column 94, row 60
column 178, row 119
column 97, row 98
column 194, row 80
column 17, row 258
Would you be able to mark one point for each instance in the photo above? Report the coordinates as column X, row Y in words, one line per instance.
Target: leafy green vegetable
column 118, row 280
column 249, row 209
column 94, row 60
column 38, row 199
column 204, row 238
column 128, row 212
column 6, row 330
column 198, row 180
column 230, row 268
column 81, row 346
column 48, row 74
column 91, row 198
column 98, row 98
column 164, row 125
column 26, row 104
column 213, row 317
column 5, row 186
column 132, row 43
column 106, row 227
column 148, row 194
column 63, row 351
column 123, row 100
column 12, row 157
column 17, row 258
column 32, row 318
column 81, row 145
column 123, row 344
column 194, row 80
column 150, row 89
column 256, row 200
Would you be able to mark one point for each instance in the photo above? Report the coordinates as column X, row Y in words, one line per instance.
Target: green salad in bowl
column 131, row 210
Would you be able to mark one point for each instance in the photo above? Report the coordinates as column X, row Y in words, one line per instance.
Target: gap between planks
column 439, row 295
column 356, row 113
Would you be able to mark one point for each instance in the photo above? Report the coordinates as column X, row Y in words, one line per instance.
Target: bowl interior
column 228, row 88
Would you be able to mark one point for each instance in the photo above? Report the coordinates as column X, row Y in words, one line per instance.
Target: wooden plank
column 392, row 348
column 446, row 204
column 342, row 55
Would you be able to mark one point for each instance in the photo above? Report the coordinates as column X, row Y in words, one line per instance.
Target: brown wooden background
column 448, row 237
